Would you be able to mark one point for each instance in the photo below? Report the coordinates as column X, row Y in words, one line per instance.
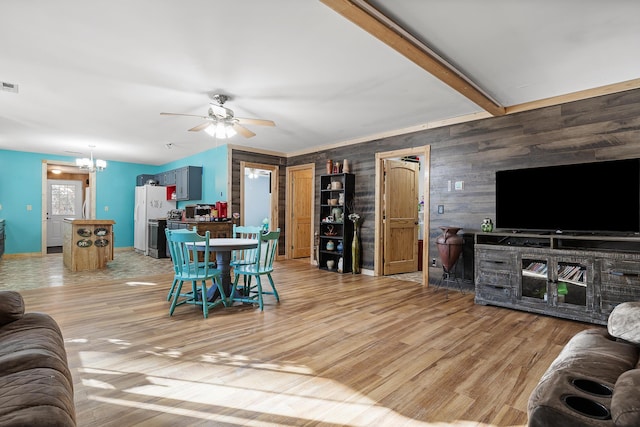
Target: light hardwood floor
column 337, row 350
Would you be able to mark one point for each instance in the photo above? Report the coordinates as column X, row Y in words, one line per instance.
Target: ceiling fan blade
column 259, row 122
column 243, row 131
column 200, row 127
column 178, row 114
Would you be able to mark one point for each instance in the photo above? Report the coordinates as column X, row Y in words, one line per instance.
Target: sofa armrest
column 624, row 322
column 11, row 307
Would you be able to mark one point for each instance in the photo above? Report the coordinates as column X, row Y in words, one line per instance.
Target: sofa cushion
column 35, row 341
column 625, row 403
column 36, row 397
column 624, row 322
column 595, row 352
column 11, row 307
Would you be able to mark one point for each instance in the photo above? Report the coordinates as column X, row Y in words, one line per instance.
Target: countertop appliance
column 151, row 203
column 175, row 214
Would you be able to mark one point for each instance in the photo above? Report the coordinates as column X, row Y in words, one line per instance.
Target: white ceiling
column 98, row 73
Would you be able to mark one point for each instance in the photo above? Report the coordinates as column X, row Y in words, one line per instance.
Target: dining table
column 223, row 247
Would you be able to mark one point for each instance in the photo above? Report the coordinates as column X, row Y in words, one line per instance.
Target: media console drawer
column 619, row 282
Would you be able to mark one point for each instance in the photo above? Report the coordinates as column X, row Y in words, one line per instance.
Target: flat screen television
column 596, row 198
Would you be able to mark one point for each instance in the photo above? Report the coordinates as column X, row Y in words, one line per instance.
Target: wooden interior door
column 301, row 190
column 400, row 216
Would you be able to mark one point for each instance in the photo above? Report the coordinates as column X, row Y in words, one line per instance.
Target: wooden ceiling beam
column 425, row 58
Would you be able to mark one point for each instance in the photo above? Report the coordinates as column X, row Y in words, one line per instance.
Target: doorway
column 57, row 170
column 65, row 200
column 259, row 194
column 300, row 212
column 382, row 228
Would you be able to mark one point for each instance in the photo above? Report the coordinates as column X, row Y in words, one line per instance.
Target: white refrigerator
column 151, row 203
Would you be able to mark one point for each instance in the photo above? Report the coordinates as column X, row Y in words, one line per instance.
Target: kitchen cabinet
column 216, row 229
column 166, row 178
column 188, row 183
column 142, row 179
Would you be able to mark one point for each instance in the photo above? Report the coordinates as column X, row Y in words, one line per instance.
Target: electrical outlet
column 433, row 262
column 29, row 207
column 0, row 207
column 440, row 209
column 106, row 208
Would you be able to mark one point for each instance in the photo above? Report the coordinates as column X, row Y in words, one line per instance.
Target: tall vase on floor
column 449, row 247
column 355, row 251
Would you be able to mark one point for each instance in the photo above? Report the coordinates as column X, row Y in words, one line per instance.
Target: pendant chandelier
column 89, row 165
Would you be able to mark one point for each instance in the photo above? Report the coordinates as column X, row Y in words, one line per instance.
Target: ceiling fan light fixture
column 221, row 131
column 211, row 130
column 221, row 122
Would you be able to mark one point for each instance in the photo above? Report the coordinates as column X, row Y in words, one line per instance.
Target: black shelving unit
column 336, row 195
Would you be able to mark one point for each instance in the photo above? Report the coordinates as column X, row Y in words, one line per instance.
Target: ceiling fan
column 221, row 122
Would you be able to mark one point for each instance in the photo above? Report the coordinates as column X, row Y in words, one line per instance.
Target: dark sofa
column 36, row 388
column 595, row 380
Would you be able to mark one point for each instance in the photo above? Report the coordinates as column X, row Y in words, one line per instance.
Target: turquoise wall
column 21, row 185
column 115, row 191
column 214, row 174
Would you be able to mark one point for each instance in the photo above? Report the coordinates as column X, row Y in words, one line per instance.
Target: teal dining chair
column 174, row 284
column 262, row 266
column 212, row 262
column 245, row 256
column 187, row 268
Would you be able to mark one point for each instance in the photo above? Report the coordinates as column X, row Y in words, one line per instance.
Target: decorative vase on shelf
column 329, row 167
column 330, row 264
column 337, row 214
column 449, row 246
column 340, row 246
column 355, row 252
column 345, row 166
column 330, row 245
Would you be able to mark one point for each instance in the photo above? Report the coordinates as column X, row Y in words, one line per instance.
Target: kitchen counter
column 215, row 228
column 87, row 243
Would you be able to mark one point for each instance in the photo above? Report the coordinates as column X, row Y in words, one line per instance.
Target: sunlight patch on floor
column 290, row 394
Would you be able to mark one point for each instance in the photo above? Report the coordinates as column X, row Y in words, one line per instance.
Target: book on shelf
column 540, row 267
column 537, row 267
column 574, row 273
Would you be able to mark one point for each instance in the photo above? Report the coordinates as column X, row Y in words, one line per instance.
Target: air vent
column 9, row 87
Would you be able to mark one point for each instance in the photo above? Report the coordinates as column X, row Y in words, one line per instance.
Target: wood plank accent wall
column 238, row 156
column 595, row 129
